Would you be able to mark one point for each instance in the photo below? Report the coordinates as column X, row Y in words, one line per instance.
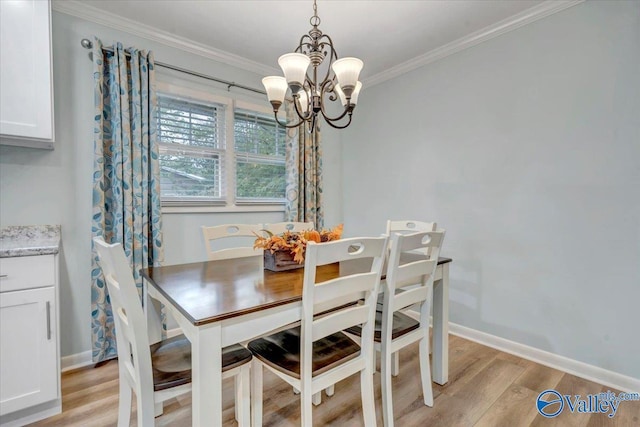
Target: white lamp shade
column 303, row 97
column 294, row 66
column 341, row 95
column 347, row 71
column 276, row 88
column 356, row 92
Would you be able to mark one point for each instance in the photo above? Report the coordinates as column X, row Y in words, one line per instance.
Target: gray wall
column 526, row 149
column 54, row 187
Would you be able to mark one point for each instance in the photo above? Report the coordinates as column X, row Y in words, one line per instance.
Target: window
column 191, row 140
column 217, row 151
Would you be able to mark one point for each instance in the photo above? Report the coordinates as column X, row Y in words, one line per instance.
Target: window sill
column 223, row 209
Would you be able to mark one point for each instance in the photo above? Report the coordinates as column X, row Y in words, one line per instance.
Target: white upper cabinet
column 26, row 92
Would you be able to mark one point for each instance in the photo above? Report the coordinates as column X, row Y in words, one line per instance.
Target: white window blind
column 259, row 145
column 191, row 137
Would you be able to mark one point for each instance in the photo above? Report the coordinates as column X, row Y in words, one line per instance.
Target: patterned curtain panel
column 126, row 186
column 304, row 172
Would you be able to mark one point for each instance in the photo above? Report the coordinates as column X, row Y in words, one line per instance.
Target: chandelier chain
column 315, row 19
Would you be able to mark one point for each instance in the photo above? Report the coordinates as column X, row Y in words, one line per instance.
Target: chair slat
column 413, row 270
column 410, row 297
column 344, row 286
column 349, row 249
column 247, row 231
column 338, row 321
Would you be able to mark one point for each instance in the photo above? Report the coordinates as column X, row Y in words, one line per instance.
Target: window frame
column 199, row 92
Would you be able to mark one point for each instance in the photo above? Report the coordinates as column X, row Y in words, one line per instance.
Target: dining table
column 224, row 302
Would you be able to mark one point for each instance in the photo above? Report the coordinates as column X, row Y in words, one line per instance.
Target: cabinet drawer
column 27, row 272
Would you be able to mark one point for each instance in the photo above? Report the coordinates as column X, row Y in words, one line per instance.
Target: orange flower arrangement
column 296, row 243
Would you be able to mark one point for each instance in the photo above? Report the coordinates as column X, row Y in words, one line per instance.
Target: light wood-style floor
column 486, row 388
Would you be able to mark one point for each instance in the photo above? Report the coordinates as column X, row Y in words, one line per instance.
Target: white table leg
column 206, row 367
column 441, row 328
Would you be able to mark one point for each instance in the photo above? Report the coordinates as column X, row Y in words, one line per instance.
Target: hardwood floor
column 487, row 388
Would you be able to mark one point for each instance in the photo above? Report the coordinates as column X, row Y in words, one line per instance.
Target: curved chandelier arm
column 330, row 122
column 303, row 116
column 327, row 88
column 284, row 125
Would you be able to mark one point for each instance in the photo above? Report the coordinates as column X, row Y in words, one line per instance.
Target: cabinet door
column 28, row 359
column 25, row 82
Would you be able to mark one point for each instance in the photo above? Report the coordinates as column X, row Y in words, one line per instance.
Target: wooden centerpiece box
column 286, row 251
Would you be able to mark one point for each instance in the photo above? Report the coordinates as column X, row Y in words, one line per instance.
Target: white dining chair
column 404, row 226
column 281, row 227
column 395, row 330
column 247, row 231
column 316, row 354
column 159, row 371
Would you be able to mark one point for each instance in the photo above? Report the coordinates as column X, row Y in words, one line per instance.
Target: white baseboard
column 571, row 366
column 76, row 361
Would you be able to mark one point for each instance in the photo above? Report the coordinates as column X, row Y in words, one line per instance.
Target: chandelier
column 302, row 72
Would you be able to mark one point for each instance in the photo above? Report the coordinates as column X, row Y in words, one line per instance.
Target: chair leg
column 387, row 391
column 158, row 409
column 395, row 364
column 296, row 391
column 145, row 409
column 238, row 388
column 330, row 390
column 256, row 393
column 373, row 361
column 243, row 396
column 306, row 406
column 368, row 401
column 317, row 398
column 124, row 404
column 425, row 370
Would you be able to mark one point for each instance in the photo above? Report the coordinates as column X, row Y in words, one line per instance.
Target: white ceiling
column 382, row 33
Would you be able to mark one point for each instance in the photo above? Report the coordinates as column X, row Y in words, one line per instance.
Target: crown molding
column 89, row 13
column 84, row 11
column 528, row 16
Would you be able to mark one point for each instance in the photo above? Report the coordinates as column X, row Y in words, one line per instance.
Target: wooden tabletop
column 211, row 291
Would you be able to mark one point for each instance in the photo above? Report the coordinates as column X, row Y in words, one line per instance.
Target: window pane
column 184, row 175
column 258, row 134
column 260, row 180
column 191, row 135
column 189, row 123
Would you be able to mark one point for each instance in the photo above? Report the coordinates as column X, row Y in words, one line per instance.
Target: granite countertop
column 27, row 240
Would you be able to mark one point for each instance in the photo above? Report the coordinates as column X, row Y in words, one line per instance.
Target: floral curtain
column 304, row 172
column 126, row 186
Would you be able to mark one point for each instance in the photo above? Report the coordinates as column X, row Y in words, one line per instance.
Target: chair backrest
column 420, row 272
column 228, row 231
column 281, row 227
column 338, row 292
column 134, row 355
column 408, row 226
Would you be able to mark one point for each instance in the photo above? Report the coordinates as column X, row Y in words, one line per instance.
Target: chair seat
column 281, row 351
column 402, row 324
column 171, row 361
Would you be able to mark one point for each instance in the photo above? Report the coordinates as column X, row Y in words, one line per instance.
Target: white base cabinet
column 29, row 349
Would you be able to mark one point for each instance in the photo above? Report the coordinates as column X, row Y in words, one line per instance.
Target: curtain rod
column 88, row 44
